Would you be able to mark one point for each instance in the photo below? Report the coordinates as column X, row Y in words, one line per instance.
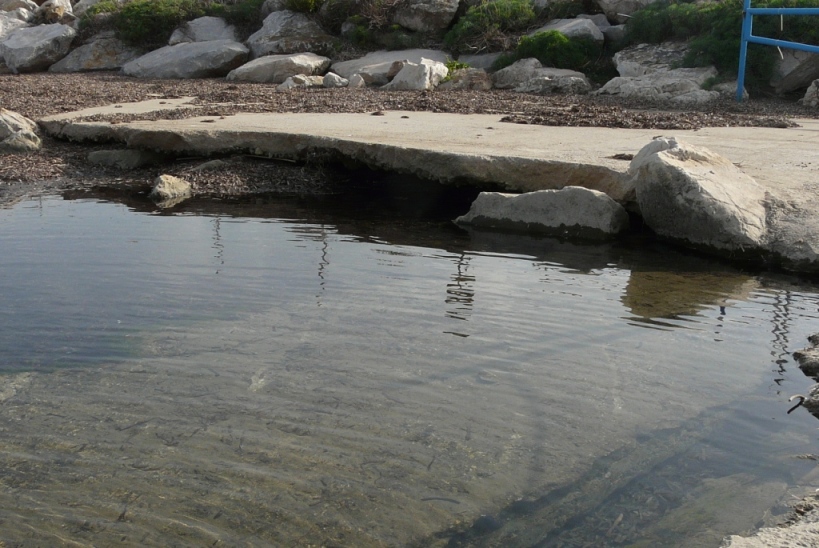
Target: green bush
column 485, row 26
column 554, row 49
column 149, row 23
column 303, row 6
column 714, row 30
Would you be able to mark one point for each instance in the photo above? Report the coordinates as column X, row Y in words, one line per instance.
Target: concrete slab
column 454, row 148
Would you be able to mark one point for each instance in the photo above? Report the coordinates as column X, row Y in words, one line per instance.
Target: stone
column 168, row 187
column 468, row 79
column 519, row 73
column 276, row 69
column 545, row 85
column 794, row 70
column 729, row 90
column 33, row 49
column 290, row 32
column 808, row 360
column 426, row 16
column 9, row 25
column 56, row 11
column 21, row 14
column 203, row 29
column 375, row 66
column 333, row 80
column 692, row 195
column 583, row 29
column 480, row 61
column 11, row 5
column 301, row 82
column 682, row 86
column 189, row 60
column 83, row 5
column 598, row 19
column 270, row 6
column 614, row 34
column 126, row 159
column 104, row 52
column 571, row 211
column 17, row 133
column 418, row 76
column 642, row 59
column 811, row 98
column 356, row 81
column 620, row 10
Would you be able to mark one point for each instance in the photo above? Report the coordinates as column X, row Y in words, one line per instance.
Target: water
column 287, row 373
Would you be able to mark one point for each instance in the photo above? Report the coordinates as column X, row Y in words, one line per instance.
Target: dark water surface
column 278, row 372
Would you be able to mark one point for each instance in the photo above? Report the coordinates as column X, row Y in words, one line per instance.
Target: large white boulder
column 418, row 76
column 682, row 86
column 104, row 52
column 33, row 49
column 278, row 68
column 203, row 29
column 690, row 194
column 794, row 70
column 584, row 29
column 426, row 16
column 11, row 5
column 189, row 60
column 17, row 133
column 289, row 32
column 9, row 25
column 572, row 210
column 620, row 10
column 375, row 66
column 531, row 74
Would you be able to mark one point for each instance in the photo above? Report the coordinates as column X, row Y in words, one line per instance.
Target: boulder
column 103, row 52
column 126, row 159
column 203, row 29
column 33, row 49
column 270, row 6
column 695, row 196
column 520, row 72
column 301, row 82
column 333, row 80
column 570, row 211
column 614, row 34
column 598, row 19
column 55, row 11
column 169, row 190
column 480, row 61
column 574, row 28
column 289, row 32
column 374, row 66
column 189, row 60
column 681, row 86
column 794, row 70
column 620, row 10
column 83, row 5
column 17, row 133
column 426, row 16
column 546, row 85
column 11, row 5
column 642, row 59
column 356, row 81
column 9, row 25
column 468, row 79
column 418, row 76
column 811, row 98
column 808, row 360
column 276, row 69
column 21, row 14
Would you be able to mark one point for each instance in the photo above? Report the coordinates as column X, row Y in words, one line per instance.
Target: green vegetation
column 714, row 29
column 486, row 26
column 555, row 49
column 303, row 6
column 451, row 66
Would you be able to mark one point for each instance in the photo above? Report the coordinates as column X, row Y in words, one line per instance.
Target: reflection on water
column 282, row 373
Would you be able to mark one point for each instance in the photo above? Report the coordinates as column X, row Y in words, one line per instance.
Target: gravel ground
column 62, row 164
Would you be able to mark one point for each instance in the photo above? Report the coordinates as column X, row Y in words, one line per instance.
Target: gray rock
column 808, row 360
column 11, row 5
column 426, row 16
column 614, row 34
column 619, row 10
column 794, row 70
column 356, row 81
column 519, row 73
column 729, row 90
column 289, row 32
column 573, row 211
column 683, row 86
column 468, row 79
column 83, row 5
column 203, row 29
column 598, row 19
column 574, row 28
column 9, row 25
column 545, row 85
column 102, row 53
column 169, row 190
column 418, row 76
column 333, row 80
column 126, row 159
column 17, row 133
column 189, row 60
column 21, row 14
column 56, row 11
column 301, row 82
column 643, row 59
column 480, row 61
column 270, row 6
column 374, row 66
column 692, row 195
column 811, row 98
column 278, row 68
column 33, row 49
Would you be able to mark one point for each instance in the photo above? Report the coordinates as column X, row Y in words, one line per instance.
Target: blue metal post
column 747, row 24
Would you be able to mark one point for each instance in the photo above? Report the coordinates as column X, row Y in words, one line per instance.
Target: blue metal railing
column 747, row 28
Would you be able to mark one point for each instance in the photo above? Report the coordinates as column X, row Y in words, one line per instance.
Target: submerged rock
column 169, row 190
column 572, row 211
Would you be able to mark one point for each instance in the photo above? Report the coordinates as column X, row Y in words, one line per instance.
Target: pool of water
column 282, row 372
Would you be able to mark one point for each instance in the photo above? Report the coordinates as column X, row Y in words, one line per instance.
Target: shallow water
column 288, row 373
